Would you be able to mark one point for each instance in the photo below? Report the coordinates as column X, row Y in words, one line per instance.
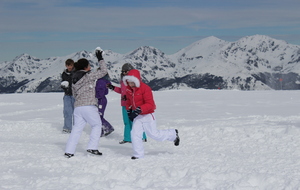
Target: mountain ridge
column 255, row 62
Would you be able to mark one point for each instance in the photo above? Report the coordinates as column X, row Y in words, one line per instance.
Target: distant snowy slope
column 205, row 57
column 262, row 54
column 252, row 63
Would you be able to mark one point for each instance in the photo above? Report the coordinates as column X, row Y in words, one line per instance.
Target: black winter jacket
column 67, row 76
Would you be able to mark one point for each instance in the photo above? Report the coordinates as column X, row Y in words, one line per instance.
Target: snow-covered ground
column 229, row 140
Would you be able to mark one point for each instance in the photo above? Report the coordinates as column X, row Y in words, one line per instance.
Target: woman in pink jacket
column 122, row 90
column 140, row 107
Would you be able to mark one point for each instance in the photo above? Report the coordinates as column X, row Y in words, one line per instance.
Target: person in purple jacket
column 101, row 92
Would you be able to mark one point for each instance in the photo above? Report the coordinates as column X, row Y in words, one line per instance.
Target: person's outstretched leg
column 152, row 132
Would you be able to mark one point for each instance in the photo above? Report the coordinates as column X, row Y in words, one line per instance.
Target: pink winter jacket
column 139, row 96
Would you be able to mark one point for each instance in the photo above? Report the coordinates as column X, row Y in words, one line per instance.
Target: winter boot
column 177, row 139
column 68, row 155
column 96, row 152
column 123, row 142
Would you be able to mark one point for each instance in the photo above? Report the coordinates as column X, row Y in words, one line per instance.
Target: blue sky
column 44, row 28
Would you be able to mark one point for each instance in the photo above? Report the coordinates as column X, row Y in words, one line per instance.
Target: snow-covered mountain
column 252, row 63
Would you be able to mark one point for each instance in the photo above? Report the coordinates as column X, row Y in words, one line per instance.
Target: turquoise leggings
column 128, row 126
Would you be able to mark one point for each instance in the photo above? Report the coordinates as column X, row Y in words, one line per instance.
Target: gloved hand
column 64, row 84
column 123, row 98
column 99, row 54
column 110, row 86
column 134, row 113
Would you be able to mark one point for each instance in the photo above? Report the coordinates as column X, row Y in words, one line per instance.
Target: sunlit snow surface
column 229, row 140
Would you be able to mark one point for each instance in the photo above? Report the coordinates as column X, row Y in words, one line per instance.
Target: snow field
column 229, row 140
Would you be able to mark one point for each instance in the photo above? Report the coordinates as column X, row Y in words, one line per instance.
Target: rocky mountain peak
column 250, row 63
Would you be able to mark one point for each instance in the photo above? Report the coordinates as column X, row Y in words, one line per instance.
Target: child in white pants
column 140, row 107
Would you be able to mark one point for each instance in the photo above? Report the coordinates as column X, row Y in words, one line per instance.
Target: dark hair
column 69, row 62
column 81, row 64
column 125, row 68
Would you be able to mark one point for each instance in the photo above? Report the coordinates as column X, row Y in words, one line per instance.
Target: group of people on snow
column 85, row 102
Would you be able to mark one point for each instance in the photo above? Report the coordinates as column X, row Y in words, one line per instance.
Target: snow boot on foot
column 123, row 142
column 177, row 139
column 96, row 152
column 68, row 155
column 66, row 131
column 107, row 133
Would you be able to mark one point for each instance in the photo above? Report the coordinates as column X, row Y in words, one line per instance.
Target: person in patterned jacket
column 85, row 107
column 140, row 107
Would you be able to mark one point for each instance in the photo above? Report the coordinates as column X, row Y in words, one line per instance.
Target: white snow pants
column 147, row 123
column 83, row 115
